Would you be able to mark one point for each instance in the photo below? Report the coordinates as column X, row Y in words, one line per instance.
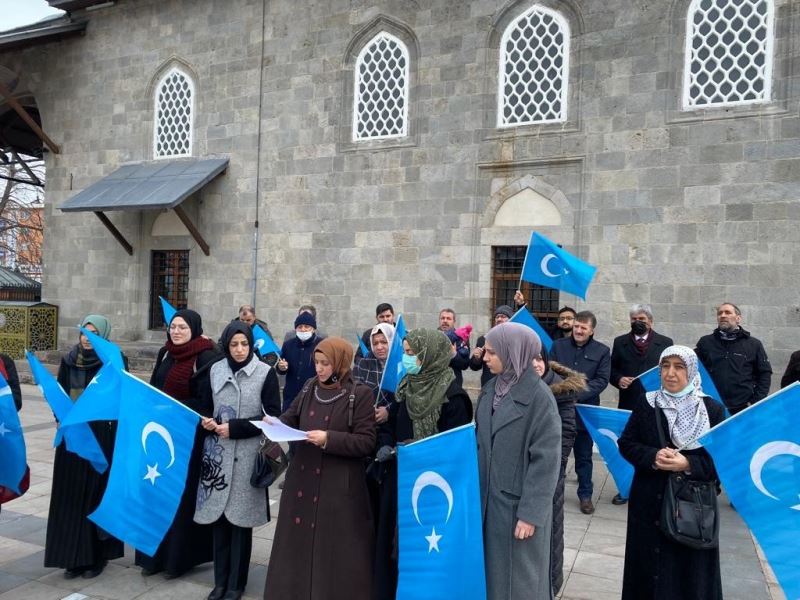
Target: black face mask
column 639, row 328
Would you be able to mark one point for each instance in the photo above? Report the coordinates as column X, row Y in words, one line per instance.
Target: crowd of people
column 336, row 534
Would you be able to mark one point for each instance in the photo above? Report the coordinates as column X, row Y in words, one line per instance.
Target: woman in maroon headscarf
column 182, row 371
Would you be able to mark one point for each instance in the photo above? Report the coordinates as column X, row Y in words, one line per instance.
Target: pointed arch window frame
column 157, row 112
column 566, row 49
column 687, row 102
column 406, row 88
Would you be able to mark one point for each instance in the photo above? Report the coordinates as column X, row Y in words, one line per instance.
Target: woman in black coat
column 182, row 372
column 565, row 384
column 429, row 401
column 657, row 568
column 73, row 542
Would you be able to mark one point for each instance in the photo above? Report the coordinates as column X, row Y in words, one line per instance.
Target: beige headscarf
column 340, row 354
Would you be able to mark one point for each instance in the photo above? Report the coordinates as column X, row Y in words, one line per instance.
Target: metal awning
column 155, row 185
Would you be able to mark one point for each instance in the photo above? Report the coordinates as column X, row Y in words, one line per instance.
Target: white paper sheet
column 278, row 432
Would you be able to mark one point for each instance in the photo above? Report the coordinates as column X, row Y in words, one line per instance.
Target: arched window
column 534, row 68
column 174, row 112
column 380, row 100
column 728, row 57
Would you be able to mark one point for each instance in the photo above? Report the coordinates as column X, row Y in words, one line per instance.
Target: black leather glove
column 384, row 453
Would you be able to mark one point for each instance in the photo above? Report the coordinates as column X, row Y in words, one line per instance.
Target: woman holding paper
column 519, row 458
column 323, row 547
column 73, row 542
column 182, row 371
column 655, row 567
column 243, row 389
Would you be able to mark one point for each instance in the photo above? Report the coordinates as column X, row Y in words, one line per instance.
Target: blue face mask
column 410, row 364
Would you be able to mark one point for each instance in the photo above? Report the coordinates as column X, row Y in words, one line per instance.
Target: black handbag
column 689, row 514
column 271, row 461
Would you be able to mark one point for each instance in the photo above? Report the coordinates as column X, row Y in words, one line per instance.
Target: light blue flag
column 264, row 344
column 108, row 352
column 651, row 382
column 78, row 437
column 400, row 329
column 167, row 309
column 524, row 317
column 757, row 456
column 393, row 369
column 439, row 518
column 362, row 346
column 651, row 379
column 12, row 444
column 551, row 266
column 100, row 401
column 155, row 436
column 605, row 425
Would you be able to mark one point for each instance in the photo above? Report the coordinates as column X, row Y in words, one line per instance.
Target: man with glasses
column 564, row 324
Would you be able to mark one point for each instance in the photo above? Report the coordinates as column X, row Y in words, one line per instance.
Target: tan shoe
column 587, row 507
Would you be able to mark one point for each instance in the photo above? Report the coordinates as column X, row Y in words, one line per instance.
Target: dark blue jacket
column 300, row 356
column 593, row 359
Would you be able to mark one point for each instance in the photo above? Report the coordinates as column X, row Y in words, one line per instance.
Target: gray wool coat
column 519, row 457
column 227, row 464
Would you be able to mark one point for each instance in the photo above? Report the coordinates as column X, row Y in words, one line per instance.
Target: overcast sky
column 15, row 13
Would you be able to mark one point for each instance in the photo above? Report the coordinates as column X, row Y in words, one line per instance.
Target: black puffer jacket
column 740, row 367
column 565, row 384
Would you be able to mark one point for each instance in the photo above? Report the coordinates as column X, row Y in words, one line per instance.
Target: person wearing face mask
column 429, row 400
column 73, row 542
column 324, row 539
column 296, row 360
column 736, row 361
column 243, row 389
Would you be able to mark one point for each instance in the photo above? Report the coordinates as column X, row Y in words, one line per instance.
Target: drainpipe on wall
column 258, row 149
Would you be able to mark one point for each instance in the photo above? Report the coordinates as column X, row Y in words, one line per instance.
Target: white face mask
column 304, row 336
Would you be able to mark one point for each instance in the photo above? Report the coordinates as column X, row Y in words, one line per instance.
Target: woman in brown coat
column 323, row 548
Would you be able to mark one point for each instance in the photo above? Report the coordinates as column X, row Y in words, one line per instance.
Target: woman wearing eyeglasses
column 182, row 371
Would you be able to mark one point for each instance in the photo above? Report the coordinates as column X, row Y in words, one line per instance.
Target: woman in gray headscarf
column 655, row 567
column 519, row 456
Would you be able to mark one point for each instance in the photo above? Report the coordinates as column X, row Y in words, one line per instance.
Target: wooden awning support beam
column 23, row 114
column 114, row 231
column 192, row 229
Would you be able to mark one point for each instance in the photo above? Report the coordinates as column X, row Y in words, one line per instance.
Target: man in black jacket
column 584, row 354
column 736, row 361
column 460, row 360
column 632, row 354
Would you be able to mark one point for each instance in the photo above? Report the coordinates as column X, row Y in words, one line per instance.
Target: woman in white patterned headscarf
column 656, row 567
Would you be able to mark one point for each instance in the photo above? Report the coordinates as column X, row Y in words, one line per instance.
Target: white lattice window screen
column 174, row 109
column 380, row 102
column 534, row 67
column 728, row 56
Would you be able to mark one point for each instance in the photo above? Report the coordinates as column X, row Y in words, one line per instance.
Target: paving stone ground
column 595, row 545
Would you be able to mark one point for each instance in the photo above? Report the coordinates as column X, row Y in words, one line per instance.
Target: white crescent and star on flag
column 161, row 431
column 545, row 266
column 610, row 435
column 763, row 455
column 431, row 479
